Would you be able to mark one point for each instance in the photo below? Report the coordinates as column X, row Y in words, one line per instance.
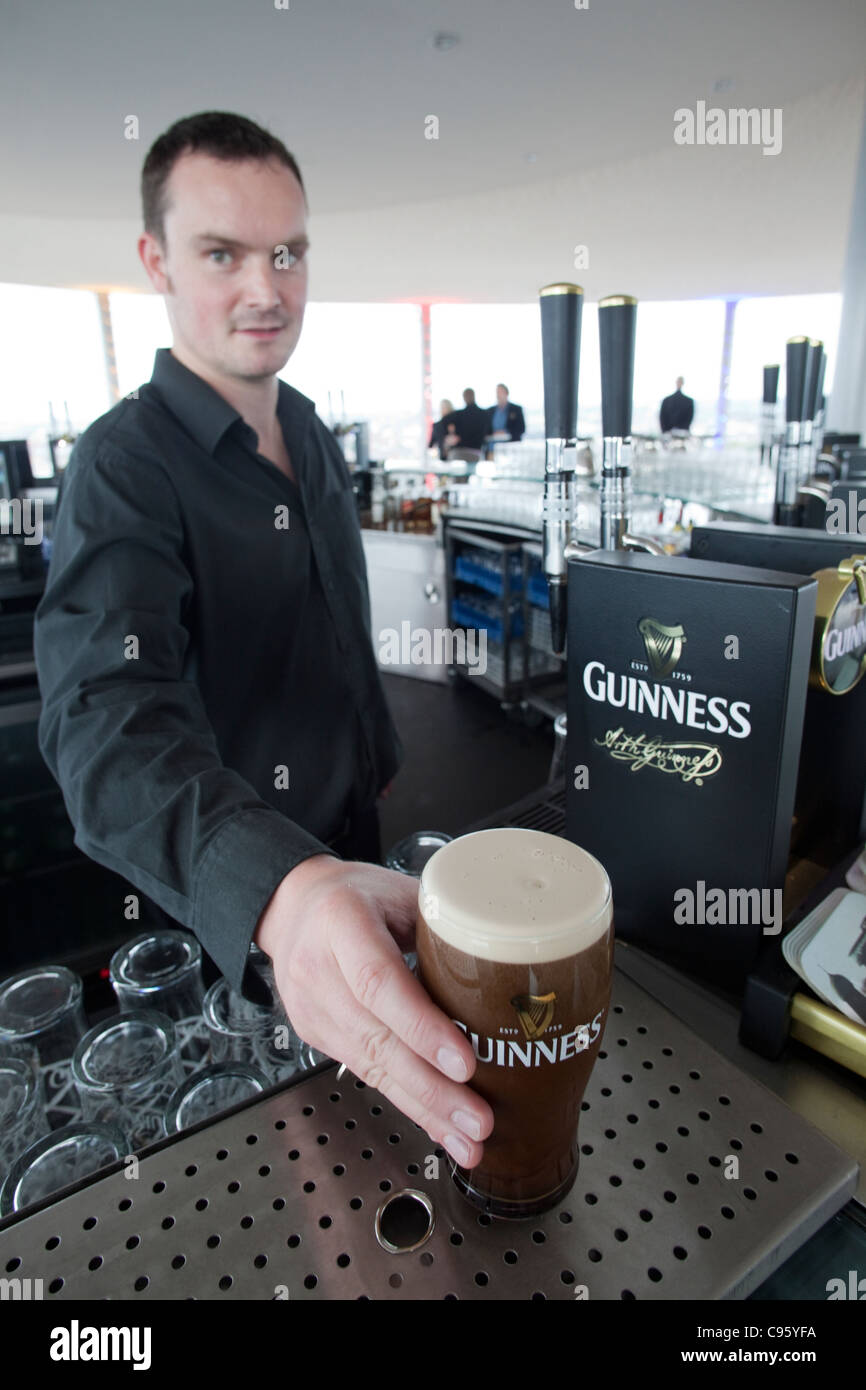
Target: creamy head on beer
column 517, row 896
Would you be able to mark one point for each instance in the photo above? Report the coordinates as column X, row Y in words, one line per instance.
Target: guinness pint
column 515, row 945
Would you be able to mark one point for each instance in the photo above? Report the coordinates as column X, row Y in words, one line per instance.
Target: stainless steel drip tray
column 695, row 1182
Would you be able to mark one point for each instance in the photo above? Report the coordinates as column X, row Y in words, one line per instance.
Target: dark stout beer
column 515, row 944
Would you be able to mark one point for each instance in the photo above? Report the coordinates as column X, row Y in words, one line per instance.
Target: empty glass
column 126, row 1070
column 58, row 1159
column 43, row 1008
column 257, row 1034
column 210, row 1091
column 22, row 1109
column 162, row 970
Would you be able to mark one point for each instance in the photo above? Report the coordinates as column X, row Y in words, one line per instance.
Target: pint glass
column 515, row 945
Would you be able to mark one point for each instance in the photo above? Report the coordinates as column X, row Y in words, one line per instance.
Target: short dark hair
column 222, row 134
column 504, row 387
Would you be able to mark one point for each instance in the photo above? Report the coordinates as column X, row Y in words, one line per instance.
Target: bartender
column 212, row 707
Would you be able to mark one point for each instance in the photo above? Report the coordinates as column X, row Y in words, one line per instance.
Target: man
column 677, row 411
column 212, row 707
column 506, row 419
column 471, row 423
column 438, row 432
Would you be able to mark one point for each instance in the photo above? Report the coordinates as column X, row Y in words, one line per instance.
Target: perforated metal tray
column 279, row 1199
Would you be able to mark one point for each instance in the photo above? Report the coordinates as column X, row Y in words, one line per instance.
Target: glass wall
column 51, row 351
column 761, row 329
column 364, row 361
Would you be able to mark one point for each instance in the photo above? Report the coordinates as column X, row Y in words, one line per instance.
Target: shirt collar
column 203, row 412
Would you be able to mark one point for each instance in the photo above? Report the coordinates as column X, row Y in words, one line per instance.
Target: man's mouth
column 263, row 332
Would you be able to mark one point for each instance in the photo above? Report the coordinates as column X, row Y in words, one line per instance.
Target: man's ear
column 152, row 256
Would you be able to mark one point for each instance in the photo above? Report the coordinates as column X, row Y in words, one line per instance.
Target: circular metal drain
column 405, row 1221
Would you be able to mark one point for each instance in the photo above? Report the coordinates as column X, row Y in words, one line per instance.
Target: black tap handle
column 561, row 310
column 796, row 360
column 819, row 389
column 771, row 385
column 617, row 324
column 815, row 356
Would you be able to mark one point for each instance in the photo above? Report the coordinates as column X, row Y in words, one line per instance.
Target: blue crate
column 537, row 591
column 466, row 615
column 486, row 576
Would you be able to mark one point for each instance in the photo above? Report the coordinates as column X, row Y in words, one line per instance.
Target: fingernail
column 457, row 1148
column 450, row 1061
column 467, row 1122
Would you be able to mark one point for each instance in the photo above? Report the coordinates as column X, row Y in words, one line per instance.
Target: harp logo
column 535, row 1012
column 664, row 645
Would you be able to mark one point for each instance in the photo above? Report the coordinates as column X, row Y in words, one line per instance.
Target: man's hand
column 336, row 933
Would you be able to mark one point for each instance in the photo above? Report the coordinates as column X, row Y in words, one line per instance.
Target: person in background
column 437, row 433
column 506, row 418
column 472, row 424
column 677, row 411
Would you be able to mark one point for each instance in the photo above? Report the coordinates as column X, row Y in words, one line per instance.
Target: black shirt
column 212, row 707
column 472, row 425
column 677, row 412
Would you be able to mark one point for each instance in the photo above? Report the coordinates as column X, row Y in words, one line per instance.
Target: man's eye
column 219, row 251
column 287, row 259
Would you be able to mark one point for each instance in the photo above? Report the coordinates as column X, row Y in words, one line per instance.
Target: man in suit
column 471, row 423
column 505, row 417
column 677, row 411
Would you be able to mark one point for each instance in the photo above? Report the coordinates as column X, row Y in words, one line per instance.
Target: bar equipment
column 126, row 1069
column 617, row 326
column 59, row 1159
column 211, row 1091
column 787, row 509
column 44, row 1009
column 561, row 312
column 768, row 414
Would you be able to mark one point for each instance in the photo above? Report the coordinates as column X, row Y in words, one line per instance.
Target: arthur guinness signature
column 691, row 762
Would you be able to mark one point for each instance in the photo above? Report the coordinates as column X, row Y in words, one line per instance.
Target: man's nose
column 260, row 283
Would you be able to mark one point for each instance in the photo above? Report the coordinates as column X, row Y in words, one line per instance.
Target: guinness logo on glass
column 839, row 648
column 664, row 645
column 535, row 1012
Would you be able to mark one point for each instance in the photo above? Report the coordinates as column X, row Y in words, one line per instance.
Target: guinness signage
column 687, row 685
column 664, row 645
column 839, row 650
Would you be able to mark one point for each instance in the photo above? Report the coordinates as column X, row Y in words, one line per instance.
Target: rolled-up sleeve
column 123, row 727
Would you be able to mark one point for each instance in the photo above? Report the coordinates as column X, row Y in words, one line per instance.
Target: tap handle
column 771, row 385
column 561, row 311
column 796, row 363
column 617, row 323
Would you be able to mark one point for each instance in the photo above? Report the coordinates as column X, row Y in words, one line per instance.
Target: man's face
column 680, row 383
column 234, row 262
column 501, row 396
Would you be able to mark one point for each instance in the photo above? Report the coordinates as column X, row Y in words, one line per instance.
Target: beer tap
column 617, row 324
column 768, row 413
column 817, row 484
column 810, row 405
column 561, row 309
column 787, row 511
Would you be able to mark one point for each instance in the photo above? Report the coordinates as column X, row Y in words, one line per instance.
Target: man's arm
column 126, row 735
column 128, row 739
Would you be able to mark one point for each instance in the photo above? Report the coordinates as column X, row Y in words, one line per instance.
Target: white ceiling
column 555, row 129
